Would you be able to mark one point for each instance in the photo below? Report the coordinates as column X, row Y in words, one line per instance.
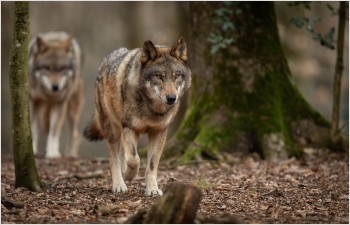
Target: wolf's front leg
column 131, row 162
column 57, row 115
column 156, row 142
column 115, row 165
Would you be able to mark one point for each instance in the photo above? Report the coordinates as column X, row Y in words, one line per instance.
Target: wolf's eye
column 64, row 68
column 178, row 74
column 43, row 67
column 159, row 76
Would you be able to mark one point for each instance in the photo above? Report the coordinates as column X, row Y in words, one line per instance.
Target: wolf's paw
column 119, row 188
column 153, row 192
column 51, row 155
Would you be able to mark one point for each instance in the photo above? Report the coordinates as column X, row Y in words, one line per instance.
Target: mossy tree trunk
column 25, row 168
column 241, row 97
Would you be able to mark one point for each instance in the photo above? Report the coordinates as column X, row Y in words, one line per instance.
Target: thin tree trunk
column 338, row 72
column 25, row 168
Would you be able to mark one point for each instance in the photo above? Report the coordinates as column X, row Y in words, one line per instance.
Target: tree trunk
column 338, row 73
column 241, row 97
column 25, row 168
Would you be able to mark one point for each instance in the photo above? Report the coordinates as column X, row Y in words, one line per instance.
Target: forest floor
column 312, row 189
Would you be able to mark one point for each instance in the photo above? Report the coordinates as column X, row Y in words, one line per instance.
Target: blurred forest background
column 101, row 27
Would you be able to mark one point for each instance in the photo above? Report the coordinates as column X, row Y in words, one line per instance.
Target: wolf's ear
column 67, row 44
column 41, row 45
column 179, row 50
column 149, row 52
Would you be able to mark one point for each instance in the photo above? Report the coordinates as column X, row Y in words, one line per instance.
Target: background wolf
column 55, row 89
column 138, row 92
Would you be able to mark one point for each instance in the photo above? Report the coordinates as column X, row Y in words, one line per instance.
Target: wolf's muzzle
column 171, row 99
column 55, row 87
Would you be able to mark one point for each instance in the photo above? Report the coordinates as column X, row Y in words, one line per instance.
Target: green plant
column 326, row 40
column 220, row 38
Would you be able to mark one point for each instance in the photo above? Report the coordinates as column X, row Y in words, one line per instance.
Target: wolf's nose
column 55, row 87
column 171, row 99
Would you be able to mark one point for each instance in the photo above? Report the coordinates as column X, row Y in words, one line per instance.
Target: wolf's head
column 51, row 61
column 165, row 72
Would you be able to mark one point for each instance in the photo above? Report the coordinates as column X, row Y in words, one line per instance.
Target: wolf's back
column 115, row 67
column 121, row 63
column 112, row 60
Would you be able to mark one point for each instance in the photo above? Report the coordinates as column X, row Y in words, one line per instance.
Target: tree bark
column 241, row 97
column 338, row 73
column 25, row 168
column 178, row 205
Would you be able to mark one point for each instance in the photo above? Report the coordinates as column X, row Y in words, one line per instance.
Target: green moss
column 207, row 140
column 202, row 183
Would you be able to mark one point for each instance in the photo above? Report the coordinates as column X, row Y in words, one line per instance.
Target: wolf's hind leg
column 132, row 159
column 75, row 106
column 115, row 166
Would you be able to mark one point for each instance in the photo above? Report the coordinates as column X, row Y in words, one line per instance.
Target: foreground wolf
column 138, row 92
column 55, row 89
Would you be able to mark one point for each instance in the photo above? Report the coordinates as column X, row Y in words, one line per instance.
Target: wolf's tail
column 91, row 132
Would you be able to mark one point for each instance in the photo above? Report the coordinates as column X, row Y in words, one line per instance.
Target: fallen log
column 8, row 203
column 222, row 219
column 178, row 205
